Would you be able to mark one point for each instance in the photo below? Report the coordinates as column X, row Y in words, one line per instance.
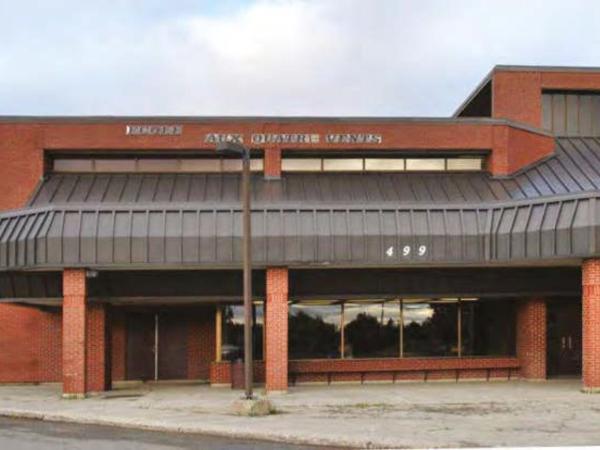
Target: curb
column 210, row 431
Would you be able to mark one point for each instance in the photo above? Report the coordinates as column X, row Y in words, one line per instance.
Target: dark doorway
column 564, row 338
column 157, row 345
column 172, row 346
column 140, row 346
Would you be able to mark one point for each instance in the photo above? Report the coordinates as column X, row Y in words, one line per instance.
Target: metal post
column 156, row 331
column 459, row 326
column 248, row 357
column 342, row 334
column 401, row 330
column 218, row 334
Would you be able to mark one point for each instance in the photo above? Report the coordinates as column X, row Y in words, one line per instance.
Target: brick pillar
column 272, row 163
column 201, row 343
column 591, row 325
column 276, row 330
column 74, row 333
column 531, row 338
column 97, row 345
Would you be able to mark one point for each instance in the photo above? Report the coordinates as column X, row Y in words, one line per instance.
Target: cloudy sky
column 275, row 57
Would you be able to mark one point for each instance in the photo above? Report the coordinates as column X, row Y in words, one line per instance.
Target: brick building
column 385, row 249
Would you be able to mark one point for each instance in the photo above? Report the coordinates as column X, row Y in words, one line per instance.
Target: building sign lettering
column 215, row 138
column 295, row 138
column 353, row 138
column 153, row 130
column 276, row 138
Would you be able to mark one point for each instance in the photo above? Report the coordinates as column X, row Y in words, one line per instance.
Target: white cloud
column 275, row 57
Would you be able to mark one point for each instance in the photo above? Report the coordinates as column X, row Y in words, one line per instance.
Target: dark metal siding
column 184, row 235
column 571, row 113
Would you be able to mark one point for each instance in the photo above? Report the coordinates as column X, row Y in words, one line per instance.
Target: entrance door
column 140, row 346
column 172, row 346
column 564, row 337
column 157, row 346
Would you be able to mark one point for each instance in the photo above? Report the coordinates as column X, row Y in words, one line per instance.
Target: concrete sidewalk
column 476, row 414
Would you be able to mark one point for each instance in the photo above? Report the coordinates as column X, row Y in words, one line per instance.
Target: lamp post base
column 252, row 407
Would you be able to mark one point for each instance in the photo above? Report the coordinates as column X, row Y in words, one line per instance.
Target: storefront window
column 371, row 330
column 314, row 331
column 443, row 327
column 488, row 328
column 232, row 344
column 430, row 328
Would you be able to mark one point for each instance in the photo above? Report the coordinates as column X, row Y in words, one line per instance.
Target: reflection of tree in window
column 314, row 331
column 430, row 329
column 371, row 330
column 488, row 328
column 232, row 346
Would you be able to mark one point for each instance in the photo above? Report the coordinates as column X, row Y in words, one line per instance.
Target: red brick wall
column 97, row 378
column 50, row 356
column 21, row 160
column 531, row 338
column 591, row 325
column 515, row 148
column 118, row 346
column 21, row 154
column 276, row 330
column 201, row 344
column 401, row 369
column 30, row 343
column 220, row 372
column 517, row 95
column 272, row 167
column 74, row 331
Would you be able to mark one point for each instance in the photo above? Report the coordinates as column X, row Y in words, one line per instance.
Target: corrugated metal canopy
column 546, row 212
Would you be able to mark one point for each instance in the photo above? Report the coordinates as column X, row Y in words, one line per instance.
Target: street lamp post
column 233, row 148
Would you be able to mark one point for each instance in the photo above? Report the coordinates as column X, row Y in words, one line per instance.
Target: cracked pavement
column 441, row 414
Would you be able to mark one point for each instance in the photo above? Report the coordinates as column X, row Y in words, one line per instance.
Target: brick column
column 97, row 344
column 531, row 338
column 591, row 325
column 74, row 333
column 272, row 163
column 276, row 330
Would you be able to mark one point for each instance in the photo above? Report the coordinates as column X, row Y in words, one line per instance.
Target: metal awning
column 187, row 235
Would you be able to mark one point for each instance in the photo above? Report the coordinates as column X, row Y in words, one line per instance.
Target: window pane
column 73, row 165
column 200, row 165
column 430, row 329
column 232, row 165
column 256, row 165
column 314, row 331
column 425, row 164
column 232, row 346
column 464, row 163
column 301, row 164
column 115, row 165
column 371, row 330
column 343, row 165
column 384, row 164
column 158, row 165
column 488, row 328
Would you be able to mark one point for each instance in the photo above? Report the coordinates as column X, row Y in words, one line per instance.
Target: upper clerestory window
column 413, row 164
column 153, row 165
